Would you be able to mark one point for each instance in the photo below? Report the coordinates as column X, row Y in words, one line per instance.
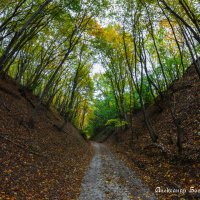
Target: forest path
column 108, row 178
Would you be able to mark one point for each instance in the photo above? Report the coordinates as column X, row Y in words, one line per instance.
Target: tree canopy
column 51, row 48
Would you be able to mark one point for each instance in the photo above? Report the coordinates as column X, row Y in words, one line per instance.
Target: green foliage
column 104, row 110
column 116, row 123
column 143, row 47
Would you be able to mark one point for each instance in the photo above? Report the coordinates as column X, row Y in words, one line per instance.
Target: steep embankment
column 39, row 163
column 154, row 167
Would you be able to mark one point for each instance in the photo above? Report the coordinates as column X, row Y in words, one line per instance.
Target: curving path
column 108, row 178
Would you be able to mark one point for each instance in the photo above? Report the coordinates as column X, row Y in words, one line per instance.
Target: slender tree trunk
column 4, row 58
column 196, row 35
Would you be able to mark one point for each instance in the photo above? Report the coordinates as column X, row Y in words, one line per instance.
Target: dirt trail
column 108, row 178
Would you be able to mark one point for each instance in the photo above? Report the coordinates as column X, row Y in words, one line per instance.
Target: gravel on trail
column 108, row 178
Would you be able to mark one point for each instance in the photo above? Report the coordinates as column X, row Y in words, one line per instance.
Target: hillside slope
column 154, row 167
column 39, row 163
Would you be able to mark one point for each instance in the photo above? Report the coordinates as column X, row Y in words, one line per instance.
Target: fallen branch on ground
column 21, row 146
column 156, row 145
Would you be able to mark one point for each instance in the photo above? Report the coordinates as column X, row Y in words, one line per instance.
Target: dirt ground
column 108, row 178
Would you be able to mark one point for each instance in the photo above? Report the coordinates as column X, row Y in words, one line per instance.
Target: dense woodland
column 52, row 47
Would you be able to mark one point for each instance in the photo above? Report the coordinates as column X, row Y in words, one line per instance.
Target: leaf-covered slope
column 161, row 166
column 40, row 163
